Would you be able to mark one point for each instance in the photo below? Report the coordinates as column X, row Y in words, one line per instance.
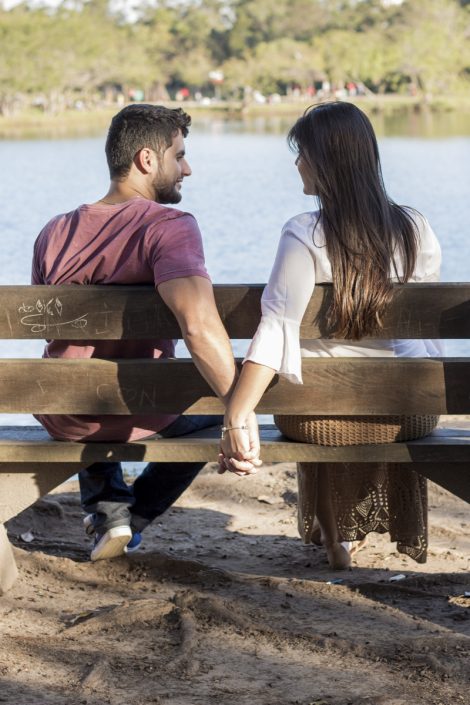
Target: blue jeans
column 113, row 503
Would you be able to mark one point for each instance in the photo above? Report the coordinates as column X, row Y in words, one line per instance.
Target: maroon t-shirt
column 136, row 242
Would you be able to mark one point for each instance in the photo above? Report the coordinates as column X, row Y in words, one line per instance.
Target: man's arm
column 191, row 300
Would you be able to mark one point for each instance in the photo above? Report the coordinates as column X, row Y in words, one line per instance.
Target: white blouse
column 301, row 261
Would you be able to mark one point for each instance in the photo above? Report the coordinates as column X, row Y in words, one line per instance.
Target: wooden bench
column 31, row 463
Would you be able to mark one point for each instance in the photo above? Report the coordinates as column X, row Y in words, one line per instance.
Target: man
column 130, row 237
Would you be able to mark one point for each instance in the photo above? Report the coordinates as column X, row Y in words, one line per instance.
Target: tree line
column 84, row 52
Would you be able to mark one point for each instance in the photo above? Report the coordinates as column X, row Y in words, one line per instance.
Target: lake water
column 243, row 188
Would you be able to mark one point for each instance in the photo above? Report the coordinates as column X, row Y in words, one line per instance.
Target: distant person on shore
column 130, row 237
column 362, row 242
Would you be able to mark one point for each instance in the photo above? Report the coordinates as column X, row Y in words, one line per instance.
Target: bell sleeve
column 428, row 261
column 428, row 269
column 276, row 343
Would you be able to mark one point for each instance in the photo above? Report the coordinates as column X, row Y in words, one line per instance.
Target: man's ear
column 145, row 160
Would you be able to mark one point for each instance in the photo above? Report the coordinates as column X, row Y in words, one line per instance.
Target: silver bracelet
column 224, row 430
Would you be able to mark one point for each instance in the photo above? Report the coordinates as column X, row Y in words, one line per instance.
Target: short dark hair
column 138, row 126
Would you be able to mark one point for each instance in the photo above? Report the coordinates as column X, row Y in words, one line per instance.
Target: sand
column 225, row 605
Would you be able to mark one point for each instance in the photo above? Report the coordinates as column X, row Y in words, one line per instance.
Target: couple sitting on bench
column 357, row 238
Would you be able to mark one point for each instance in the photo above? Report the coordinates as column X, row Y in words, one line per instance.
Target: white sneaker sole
column 112, row 544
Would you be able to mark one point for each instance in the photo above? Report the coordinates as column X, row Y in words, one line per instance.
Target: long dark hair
column 363, row 227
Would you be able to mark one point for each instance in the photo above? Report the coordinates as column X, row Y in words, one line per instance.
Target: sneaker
column 132, row 545
column 111, row 544
column 89, row 525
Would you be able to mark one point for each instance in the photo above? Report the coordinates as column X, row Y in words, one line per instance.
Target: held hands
column 240, row 448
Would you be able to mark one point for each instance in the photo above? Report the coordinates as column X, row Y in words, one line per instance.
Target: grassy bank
column 34, row 124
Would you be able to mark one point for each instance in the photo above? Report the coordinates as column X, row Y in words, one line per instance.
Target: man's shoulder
column 164, row 221
column 57, row 221
column 164, row 213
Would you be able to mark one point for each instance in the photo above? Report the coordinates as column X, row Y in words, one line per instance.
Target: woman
column 362, row 242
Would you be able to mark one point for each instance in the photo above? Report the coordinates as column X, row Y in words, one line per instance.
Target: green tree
column 433, row 44
column 274, row 66
column 85, row 45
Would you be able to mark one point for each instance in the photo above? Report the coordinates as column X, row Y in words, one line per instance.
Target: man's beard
column 166, row 192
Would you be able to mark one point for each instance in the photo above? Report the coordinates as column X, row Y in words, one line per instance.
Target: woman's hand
column 240, row 448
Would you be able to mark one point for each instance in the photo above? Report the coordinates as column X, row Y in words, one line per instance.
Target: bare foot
column 316, row 537
column 339, row 557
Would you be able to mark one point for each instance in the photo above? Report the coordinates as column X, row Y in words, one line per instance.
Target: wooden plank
column 454, row 477
column 22, row 483
column 8, row 569
column 114, row 312
column 334, row 386
column 76, row 312
column 445, row 447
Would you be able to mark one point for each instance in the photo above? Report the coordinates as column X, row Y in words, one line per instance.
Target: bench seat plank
column 442, row 457
column 25, row 444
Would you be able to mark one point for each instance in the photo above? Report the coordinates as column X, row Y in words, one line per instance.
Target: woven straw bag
column 354, row 430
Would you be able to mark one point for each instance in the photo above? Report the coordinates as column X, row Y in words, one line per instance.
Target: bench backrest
column 331, row 386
